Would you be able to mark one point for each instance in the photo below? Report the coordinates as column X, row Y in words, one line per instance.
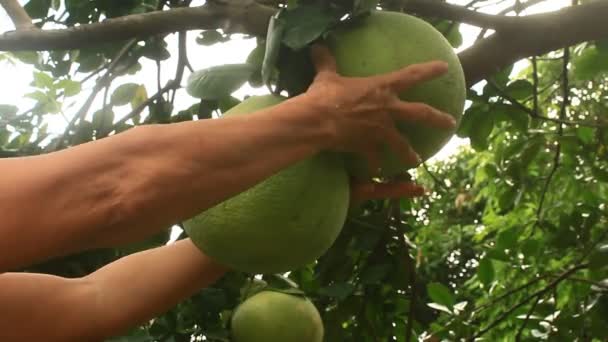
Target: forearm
column 110, row 301
column 142, row 286
column 134, row 184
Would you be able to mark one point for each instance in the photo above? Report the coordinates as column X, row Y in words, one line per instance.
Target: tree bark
column 516, row 38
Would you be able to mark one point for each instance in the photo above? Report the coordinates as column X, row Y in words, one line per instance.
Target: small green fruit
column 271, row 316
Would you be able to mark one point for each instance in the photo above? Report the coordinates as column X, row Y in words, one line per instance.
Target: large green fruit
column 387, row 41
column 271, row 316
column 282, row 223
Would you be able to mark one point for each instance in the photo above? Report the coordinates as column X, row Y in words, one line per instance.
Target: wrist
column 316, row 115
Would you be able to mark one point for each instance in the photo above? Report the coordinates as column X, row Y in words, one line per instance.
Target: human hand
column 361, row 112
column 363, row 191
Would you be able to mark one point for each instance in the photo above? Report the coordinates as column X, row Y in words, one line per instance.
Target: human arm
column 106, row 303
column 131, row 185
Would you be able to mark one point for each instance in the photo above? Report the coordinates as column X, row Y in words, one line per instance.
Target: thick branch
column 437, row 9
column 535, row 35
column 232, row 16
column 17, row 14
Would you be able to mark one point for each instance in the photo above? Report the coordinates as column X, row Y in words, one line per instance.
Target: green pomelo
column 284, row 222
column 387, row 41
column 271, row 316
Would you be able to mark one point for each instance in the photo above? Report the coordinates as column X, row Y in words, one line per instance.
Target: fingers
column 373, row 160
column 401, row 146
column 416, row 112
column 373, row 191
column 407, row 77
column 322, row 58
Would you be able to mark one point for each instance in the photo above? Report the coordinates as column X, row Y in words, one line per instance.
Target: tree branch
column 525, row 322
column 532, row 35
column 517, row 7
column 560, row 132
column 523, row 302
column 18, row 15
column 170, row 86
column 438, row 9
column 103, row 81
column 535, row 35
column 229, row 15
column 534, row 112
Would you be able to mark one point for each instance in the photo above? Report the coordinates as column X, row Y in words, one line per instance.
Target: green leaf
column 124, row 94
column 477, row 124
column 70, row 88
column 7, row 110
column 530, row 247
column 337, row 290
column 497, row 254
column 590, row 64
column 218, row 82
column 43, row 80
column 37, row 95
column 274, row 37
column 586, row 134
column 27, row 57
column 227, row 102
column 507, row 239
column 515, row 115
column 520, row 89
column 364, row 6
column 375, row 273
column 451, row 31
column 441, row 295
column 305, row 24
column 296, row 71
column 256, row 58
column 485, row 271
column 103, row 119
column 599, row 258
column 439, row 307
column 37, row 9
column 210, row 37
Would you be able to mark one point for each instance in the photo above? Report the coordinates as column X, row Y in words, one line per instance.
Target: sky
column 15, row 79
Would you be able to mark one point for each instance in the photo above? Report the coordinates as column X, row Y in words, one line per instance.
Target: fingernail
column 417, row 159
column 452, row 120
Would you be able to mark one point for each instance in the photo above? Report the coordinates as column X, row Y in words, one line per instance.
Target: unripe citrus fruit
column 282, row 223
column 271, row 316
column 387, row 41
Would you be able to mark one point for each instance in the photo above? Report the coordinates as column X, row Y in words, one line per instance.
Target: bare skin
column 132, row 185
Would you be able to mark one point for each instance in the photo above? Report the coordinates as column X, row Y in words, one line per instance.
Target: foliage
column 510, row 245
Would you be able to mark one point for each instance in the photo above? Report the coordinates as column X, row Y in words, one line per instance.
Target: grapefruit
column 271, row 316
column 387, row 41
column 282, row 223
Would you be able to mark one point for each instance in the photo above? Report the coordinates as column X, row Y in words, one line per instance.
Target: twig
column 560, row 132
column 525, row 322
column 434, row 178
column 170, row 85
column 534, row 115
column 182, row 60
column 462, row 14
column 232, row 16
column 395, row 213
column 517, row 7
column 590, row 282
column 18, row 15
column 535, row 86
column 540, row 292
column 509, row 293
column 103, row 81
